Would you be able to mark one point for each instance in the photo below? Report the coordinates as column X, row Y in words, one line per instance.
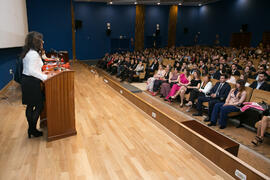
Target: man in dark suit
column 234, row 70
column 261, row 82
column 152, row 68
column 218, row 93
column 262, row 68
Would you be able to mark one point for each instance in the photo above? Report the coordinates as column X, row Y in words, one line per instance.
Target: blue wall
column 157, row 15
column 187, row 18
column 223, row 18
column 8, row 59
column 91, row 40
column 53, row 19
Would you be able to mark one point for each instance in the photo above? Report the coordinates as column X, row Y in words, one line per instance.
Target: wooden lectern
column 59, row 105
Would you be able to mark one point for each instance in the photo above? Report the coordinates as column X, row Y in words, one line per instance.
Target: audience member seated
column 261, row 82
column 202, row 91
column 128, row 70
column 262, row 126
column 262, row 68
column 159, row 75
column 203, row 67
column 248, row 72
column 123, row 67
column 232, row 104
column 166, row 86
column 139, row 68
column 158, row 82
column 231, row 79
column 244, row 77
column 218, row 94
column 234, row 70
column 195, row 83
column 220, row 71
column 182, row 82
column 152, row 68
column 251, row 66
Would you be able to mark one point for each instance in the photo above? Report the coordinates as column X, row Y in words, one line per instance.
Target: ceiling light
column 158, row 3
column 110, row 2
column 180, row 4
column 135, row 2
column 200, row 4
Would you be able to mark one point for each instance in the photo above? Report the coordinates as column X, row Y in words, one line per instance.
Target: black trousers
column 211, row 104
column 33, row 97
column 157, row 85
column 194, row 94
column 32, row 114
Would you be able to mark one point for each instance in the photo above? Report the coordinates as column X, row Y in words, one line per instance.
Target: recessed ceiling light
column 110, row 2
column 200, row 4
column 158, row 3
column 180, row 4
column 135, row 2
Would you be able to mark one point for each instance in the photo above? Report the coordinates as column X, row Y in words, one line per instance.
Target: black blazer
column 236, row 73
column 223, row 92
column 264, row 86
column 155, row 66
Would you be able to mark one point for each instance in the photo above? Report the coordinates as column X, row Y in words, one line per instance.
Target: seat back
column 260, row 95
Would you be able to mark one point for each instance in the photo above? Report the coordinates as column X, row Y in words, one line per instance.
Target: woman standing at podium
column 32, row 75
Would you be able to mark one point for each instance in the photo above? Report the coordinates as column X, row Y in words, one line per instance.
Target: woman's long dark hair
column 242, row 87
column 33, row 41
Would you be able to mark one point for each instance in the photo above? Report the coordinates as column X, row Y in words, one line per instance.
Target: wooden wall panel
column 241, row 39
column 73, row 32
column 139, row 27
column 172, row 25
column 266, row 38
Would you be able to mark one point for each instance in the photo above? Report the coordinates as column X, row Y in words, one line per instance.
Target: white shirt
column 259, row 84
column 207, row 87
column 32, row 65
column 247, row 84
column 231, row 80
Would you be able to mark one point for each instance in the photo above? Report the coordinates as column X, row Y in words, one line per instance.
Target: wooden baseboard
column 4, row 89
column 220, row 157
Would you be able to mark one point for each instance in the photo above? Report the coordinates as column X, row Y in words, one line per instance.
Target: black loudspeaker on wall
column 185, row 30
column 244, row 27
column 157, row 32
column 108, row 32
column 78, row 24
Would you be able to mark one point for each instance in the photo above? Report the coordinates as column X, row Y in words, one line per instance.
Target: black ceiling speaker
column 244, row 27
column 108, row 32
column 185, row 30
column 78, row 24
column 157, row 32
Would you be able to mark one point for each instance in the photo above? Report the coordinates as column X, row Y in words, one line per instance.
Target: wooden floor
column 243, row 136
column 115, row 140
column 257, row 157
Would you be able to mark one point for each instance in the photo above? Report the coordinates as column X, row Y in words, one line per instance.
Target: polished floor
column 115, row 140
column 257, row 157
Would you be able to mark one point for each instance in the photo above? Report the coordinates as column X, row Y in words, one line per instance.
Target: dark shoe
column 211, row 124
column 257, row 141
column 197, row 114
column 207, row 119
column 35, row 133
column 161, row 96
column 222, row 127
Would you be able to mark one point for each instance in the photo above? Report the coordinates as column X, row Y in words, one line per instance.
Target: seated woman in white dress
column 160, row 74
